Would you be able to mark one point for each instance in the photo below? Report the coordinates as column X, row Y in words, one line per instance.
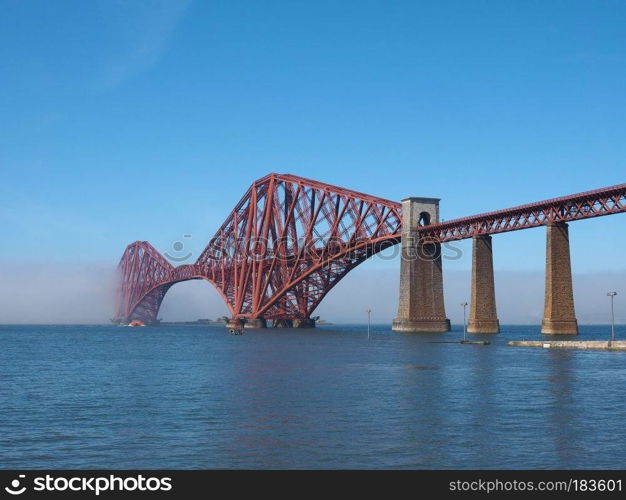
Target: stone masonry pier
column 559, row 316
column 483, row 317
column 421, row 307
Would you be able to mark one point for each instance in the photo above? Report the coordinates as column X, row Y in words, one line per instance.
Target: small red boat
column 136, row 323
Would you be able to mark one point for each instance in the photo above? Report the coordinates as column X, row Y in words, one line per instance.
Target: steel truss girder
column 290, row 240
column 596, row 203
column 279, row 252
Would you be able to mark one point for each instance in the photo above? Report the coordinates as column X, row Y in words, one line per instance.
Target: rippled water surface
column 196, row 397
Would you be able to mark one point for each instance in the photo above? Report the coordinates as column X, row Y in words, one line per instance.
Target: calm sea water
column 196, row 397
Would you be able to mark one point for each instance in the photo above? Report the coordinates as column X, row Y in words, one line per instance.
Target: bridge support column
column 255, row 323
column 303, row 323
column 282, row 323
column 483, row 317
column 294, row 323
column 559, row 316
column 421, row 307
column 234, row 323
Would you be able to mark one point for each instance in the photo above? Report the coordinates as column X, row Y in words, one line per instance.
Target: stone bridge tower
column 421, row 307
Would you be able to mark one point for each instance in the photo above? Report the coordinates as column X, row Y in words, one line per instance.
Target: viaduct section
column 421, row 289
column 290, row 240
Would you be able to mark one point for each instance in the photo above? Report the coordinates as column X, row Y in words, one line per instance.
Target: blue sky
column 147, row 120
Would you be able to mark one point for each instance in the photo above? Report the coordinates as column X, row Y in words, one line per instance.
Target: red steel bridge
column 290, row 240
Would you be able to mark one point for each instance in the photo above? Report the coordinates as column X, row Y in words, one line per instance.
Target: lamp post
column 464, row 306
column 369, row 311
column 612, row 295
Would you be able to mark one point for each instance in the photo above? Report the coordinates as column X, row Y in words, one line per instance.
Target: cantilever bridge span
column 289, row 240
column 286, row 243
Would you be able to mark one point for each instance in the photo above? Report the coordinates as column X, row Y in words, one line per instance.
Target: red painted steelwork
column 290, row 240
column 596, row 203
column 283, row 247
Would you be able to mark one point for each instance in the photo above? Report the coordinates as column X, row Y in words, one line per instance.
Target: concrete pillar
column 303, row 323
column 421, row 307
column 235, row 323
column 483, row 317
column 255, row 323
column 294, row 323
column 282, row 323
column 559, row 316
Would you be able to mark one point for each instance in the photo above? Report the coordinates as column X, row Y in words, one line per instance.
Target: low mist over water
column 63, row 292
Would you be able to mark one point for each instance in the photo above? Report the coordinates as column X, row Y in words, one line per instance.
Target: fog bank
column 60, row 292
